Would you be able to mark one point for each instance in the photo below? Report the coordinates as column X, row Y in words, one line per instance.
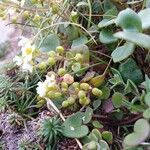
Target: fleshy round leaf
column 117, row 99
column 147, row 99
column 106, row 36
column 106, row 23
column 145, row 18
column 123, row 52
column 141, row 132
column 87, row 116
column 146, row 113
column 73, row 127
column 127, row 72
column 97, row 124
column 140, row 39
column 79, row 41
column 129, row 20
column 50, row 43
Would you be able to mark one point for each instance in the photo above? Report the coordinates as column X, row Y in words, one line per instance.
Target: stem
column 90, row 14
column 51, row 104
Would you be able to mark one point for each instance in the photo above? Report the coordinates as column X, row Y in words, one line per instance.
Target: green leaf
column 123, row 52
column 145, row 15
column 146, row 114
column 96, row 104
column 147, row 99
column 97, row 134
column 111, row 13
column 139, row 39
column 87, row 116
column 106, row 23
column 106, row 36
column 73, row 128
column 117, row 99
column 106, row 92
column 130, row 87
column 97, row 124
column 103, row 145
column 133, row 72
column 107, row 136
column 141, row 132
column 50, row 43
column 79, row 41
column 129, row 20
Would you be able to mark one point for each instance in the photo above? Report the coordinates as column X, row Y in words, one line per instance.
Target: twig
column 125, row 121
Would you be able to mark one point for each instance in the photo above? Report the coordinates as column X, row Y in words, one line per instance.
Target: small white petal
column 18, row 60
column 41, row 89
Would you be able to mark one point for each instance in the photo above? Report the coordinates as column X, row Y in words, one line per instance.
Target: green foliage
column 141, row 127
column 50, row 43
column 50, row 131
column 127, row 72
column 73, row 126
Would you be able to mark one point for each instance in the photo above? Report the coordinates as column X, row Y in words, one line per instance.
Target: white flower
column 24, row 41
column 27, row 66
column 50, row 80
column 18, row 60
column 41, row 89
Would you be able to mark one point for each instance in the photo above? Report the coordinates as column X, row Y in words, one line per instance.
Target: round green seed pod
column 42, row 65
column 81, row 94
column 50, row 95
column 65, row 104
column 71, row 100
column 84, row 101
column 25, row 14
column 84, row 86
column 61, row 72
column 64, row 85
column 96, row 92
column 52, row 53
column 57, row 95
column 37, row 18
column 78, row 57
column 75, row 84
column 60, row 49
column 14, row 19
column 51, row 61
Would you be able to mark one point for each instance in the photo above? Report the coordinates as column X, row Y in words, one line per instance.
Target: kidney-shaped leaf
column 106, row 36
column 105, row 23
column 73, row 127
column 145, row 18
column 140, row 39
column 123, row 52
column 129, row 20
column 50, row 43
column 141, row 132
